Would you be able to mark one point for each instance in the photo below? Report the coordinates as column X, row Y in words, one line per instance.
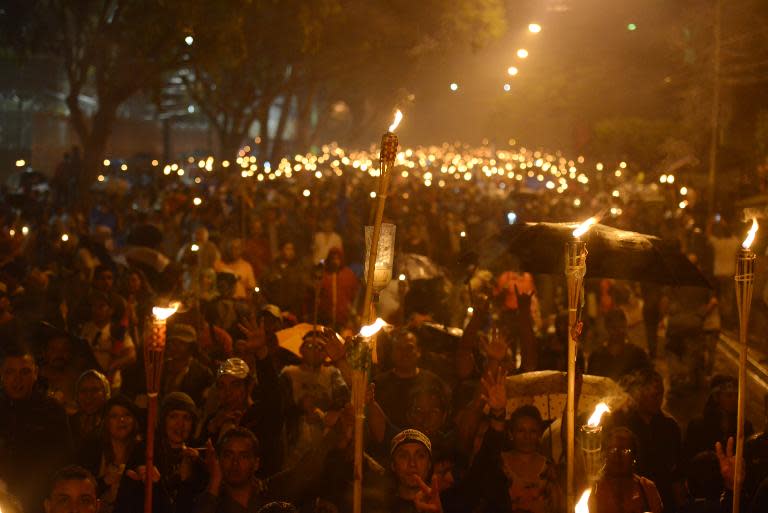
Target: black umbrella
column 612, row 253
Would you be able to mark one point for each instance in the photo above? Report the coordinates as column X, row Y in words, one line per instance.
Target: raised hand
column 427, row 500
column 524, row 300
column 255, row 338
column 495, row 347
column 727, row 461
column 140, row 473
column 494, row 390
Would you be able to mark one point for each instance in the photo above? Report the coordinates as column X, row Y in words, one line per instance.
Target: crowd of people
column 249, row 422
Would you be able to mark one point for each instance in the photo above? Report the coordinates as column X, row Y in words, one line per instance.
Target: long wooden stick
column 360, row 384
column 745, row 275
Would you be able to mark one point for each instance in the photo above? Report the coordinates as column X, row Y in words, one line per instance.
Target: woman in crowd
column 107, row 455
column 619, row 489
column 91, row 392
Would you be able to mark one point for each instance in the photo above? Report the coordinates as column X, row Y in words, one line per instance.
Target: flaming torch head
column 583, row 505
column 584, row 227
column 396, row 122
column 389, row 144
column 750, row 235
column 372, row 329
column 162, row 314
column 597, row 415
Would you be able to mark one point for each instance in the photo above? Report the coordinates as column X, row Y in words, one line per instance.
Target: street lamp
column 512, row 71
column 534, row 28
column 522, row 53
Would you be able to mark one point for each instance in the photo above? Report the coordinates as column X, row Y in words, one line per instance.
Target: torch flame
column 584, row 227
column 750, row 235
column 162, row 314
column 597, row 415
column 372, row 329
column 396, row 122
column 583, row 505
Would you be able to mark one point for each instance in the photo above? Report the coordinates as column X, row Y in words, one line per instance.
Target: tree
column 110, row 50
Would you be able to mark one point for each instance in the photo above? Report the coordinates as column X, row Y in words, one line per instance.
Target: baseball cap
column 234, row 367
column 272, row 310
column 410, row 436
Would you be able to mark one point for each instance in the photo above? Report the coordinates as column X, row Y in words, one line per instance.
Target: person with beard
column 178, row 473
column 338, row 290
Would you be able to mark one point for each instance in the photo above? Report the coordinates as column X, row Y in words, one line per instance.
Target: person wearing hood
column 338, row 290
column 178, row 472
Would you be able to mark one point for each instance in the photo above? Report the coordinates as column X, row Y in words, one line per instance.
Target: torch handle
column 150, row 454
column 744, row 278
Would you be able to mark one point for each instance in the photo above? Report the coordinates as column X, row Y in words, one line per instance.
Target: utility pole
column 714, row 137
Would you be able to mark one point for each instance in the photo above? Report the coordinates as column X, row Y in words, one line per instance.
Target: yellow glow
column 155, row 163
column 750, row 235
column 522, row 53
column 124, row 167
column 396, row 122
column 597, row 415
column 306, row 193
column 225, row 163
column 583, row 505
column 106, row 162
column 371, row 329
column 21, row 163
column 401, row 277
column 584, row 227
column 197, row 201
column 534, row 28
column 683, row 191
column 162, row 314
column 194, row 248
column 64, row 237
column 512, row 71
column 25, row 230
column 100, row 178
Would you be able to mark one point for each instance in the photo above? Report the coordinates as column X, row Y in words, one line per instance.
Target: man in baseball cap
column 411, row 463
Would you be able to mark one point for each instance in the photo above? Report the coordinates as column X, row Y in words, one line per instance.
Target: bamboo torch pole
column 153, row 365
column 575, row 269
column 745, row 280
column 389, row 145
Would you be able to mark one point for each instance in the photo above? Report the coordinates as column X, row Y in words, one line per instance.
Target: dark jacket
column 34, row 443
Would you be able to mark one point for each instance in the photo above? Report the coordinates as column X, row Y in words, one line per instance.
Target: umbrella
column 612, row 253
column 417, row 267
column 547, row 390
column 292, row 338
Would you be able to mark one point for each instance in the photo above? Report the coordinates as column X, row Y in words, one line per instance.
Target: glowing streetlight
column 507, row 87
column 522, row 53
column 512, row 71
column 64, row 237
column 197, row 202
column 454, row 86
column 189, row 40
column 534, row 28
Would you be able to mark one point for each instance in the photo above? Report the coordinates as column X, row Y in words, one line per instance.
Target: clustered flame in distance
column 750, row 235
column 597, row 415
column 396, row 122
